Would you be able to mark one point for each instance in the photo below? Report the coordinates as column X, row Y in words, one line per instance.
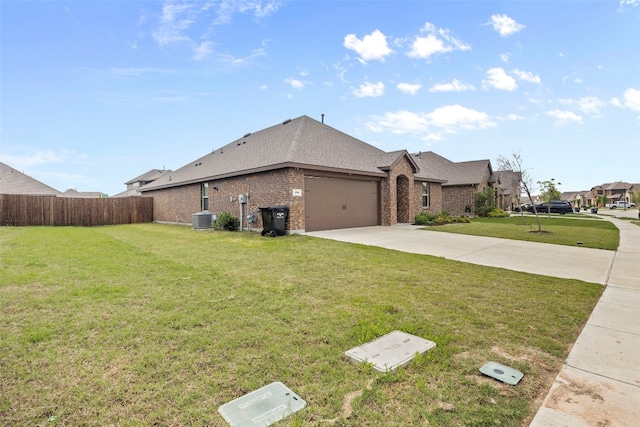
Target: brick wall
column 456, row 198
column 435, row 198
column 263, row 189
column 176, row 204
column 389, row 193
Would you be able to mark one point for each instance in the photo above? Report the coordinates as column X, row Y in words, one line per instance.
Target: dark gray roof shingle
column 13, row 181
column 455, row 173
column 301, row 142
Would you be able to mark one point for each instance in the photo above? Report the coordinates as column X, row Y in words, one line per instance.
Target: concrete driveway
column 530, row 257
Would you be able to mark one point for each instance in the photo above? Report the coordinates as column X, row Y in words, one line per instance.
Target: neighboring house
column 463, row 181
column 509, row 189
column 325, row 177
column 577, row 198
column 140, row 181
column 615, row 191
column 83, row 194
column 13, row 181
column 632, row 191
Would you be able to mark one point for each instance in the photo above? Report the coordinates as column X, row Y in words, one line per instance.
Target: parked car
column 621, row 205
column 554, row 206
column 522, row 208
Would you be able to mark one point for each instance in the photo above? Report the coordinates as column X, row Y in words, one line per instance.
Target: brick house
column 325, row 177
column 509, row 189
column 614, row 191
column 462, row 181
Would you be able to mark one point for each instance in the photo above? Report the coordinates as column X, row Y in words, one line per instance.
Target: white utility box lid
column 390, row 351
column 501, row 372
column 262, row 407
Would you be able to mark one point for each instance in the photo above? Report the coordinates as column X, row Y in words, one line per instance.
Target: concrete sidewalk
column 599, row 384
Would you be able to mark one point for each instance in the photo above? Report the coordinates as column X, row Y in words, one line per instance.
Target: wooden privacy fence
column 59, row 211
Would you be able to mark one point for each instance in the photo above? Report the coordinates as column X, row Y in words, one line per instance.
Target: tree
column 549, row 192
column 485, row 201
column 602, row 200
column 515, row 164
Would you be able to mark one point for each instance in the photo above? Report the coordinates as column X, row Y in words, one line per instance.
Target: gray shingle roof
column 73, row 193
column 149, row 176
column 14, row 182
column 509, row 181
column 455, row 173
column 301, row 142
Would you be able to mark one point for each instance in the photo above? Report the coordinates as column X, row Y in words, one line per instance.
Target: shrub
column 442, row 218
column 226, row 221
column 497, row 213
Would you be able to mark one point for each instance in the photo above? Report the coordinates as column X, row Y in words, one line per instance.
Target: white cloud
column 409, row 88
column 455, row 86
column 514, row 117
column 499, row 79
column 632, row 3
column 457, row 116
column 437, row 40
column 227, row 8
column 590, row 105
column 23, row 158
column 202, row 50
column 505, row 57
column 137, row 72
column 372, row 46
column 178, row 19
column 504, row 25
column 295, row 83
column 632, row 99
column 563, row 117
column 369, row 90
column 433, row 126
column 401, row 122
column 33, row 158
column 573, row 77
column 241, row 61
column 175, row 19
column 527, row 76
column 615, row 102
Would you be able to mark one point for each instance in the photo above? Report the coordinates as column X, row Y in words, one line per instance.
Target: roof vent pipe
column 322, row 117
column 286, row 121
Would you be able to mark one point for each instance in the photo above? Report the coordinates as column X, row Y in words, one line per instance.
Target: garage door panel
column 332, row 203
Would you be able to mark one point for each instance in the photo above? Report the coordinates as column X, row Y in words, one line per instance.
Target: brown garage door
column 331, row 203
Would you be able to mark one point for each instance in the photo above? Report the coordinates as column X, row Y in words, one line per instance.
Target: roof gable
column 301, row 142
column 454, row 173
column 151, row 175
column 14, row 182
column 388, row 161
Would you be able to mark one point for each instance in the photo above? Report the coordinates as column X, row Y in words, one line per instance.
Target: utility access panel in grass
column 390, row 351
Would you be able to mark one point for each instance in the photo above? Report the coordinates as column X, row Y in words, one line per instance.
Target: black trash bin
column 274, row 219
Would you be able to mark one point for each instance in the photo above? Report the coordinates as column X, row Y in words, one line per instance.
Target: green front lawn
column 154, row 324
column 593, row 233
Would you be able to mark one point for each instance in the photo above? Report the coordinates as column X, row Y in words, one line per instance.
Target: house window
column 205, row 196
column 425, row 194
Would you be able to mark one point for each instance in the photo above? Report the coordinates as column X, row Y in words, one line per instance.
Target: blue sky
column 94, row 93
